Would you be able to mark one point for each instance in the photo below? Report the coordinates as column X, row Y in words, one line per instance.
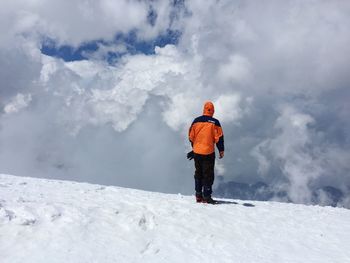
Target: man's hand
column 190, row 155
column 221, row 155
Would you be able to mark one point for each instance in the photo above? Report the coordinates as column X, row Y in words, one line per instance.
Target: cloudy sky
column 104, row 91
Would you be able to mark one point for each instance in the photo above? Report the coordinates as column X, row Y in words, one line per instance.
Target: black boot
column 209, row 200
column 199, row 197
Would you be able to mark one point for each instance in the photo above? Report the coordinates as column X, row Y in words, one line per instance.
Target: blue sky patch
column 132, row 44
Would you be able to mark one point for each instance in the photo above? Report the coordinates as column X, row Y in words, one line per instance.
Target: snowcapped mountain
column 59, row 221
column 326, row 196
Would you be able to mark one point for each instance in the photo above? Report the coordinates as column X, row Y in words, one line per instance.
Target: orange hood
column 208, row 109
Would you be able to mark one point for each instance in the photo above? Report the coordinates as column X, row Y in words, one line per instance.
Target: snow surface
column 59, row 221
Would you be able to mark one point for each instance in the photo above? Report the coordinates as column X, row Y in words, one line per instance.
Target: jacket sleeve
column 191, row 134
column 219, row 137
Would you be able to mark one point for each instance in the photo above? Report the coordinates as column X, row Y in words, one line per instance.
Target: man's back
column 205, row 131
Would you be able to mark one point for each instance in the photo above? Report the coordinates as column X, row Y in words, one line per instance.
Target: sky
column 105, row 91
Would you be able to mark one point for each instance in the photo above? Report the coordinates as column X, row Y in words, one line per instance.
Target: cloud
column 237, row 69
column 77, row 22
column 117, row 95
column 290, row 149
column 293, row 149
column 19, row 102
column 277, row 74
column 228, row 107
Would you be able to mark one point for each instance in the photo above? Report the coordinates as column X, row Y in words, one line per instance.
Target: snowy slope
column 56, row 221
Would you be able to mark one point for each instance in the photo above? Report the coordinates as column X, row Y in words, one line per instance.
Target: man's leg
column 198, row 177
column 208, row 175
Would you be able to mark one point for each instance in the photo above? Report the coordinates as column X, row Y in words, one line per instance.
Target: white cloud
column 76, row 22
column 179, row 113
column 219, row 169
column 300, row 160
column 103, row 51
column 116, row 95
column 228, row 108
column 19, row 102
column 236, row 70
column 247, row 57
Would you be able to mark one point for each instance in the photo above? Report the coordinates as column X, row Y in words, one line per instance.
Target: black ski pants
column 204, row 174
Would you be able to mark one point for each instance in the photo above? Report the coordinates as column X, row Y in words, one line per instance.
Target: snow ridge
column 59, row 221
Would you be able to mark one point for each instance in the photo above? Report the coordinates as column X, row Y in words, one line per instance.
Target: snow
column 60, row 221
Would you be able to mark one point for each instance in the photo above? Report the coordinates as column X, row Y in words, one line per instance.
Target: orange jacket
column 206, row 131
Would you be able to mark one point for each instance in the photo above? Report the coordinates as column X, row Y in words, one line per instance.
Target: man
column 204, row 133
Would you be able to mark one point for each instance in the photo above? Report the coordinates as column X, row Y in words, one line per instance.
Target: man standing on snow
column 204, row 133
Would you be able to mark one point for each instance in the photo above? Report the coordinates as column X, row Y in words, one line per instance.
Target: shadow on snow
column 222, row 202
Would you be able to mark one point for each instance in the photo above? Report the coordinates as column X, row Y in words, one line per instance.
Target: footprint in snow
column 55, row 216
column 146, row 222
column 17, row 216
column 149, row 248
column 10, row 215
column 28, row 222
column 142, row 223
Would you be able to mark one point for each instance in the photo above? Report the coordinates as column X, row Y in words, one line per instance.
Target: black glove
column 190, row 155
